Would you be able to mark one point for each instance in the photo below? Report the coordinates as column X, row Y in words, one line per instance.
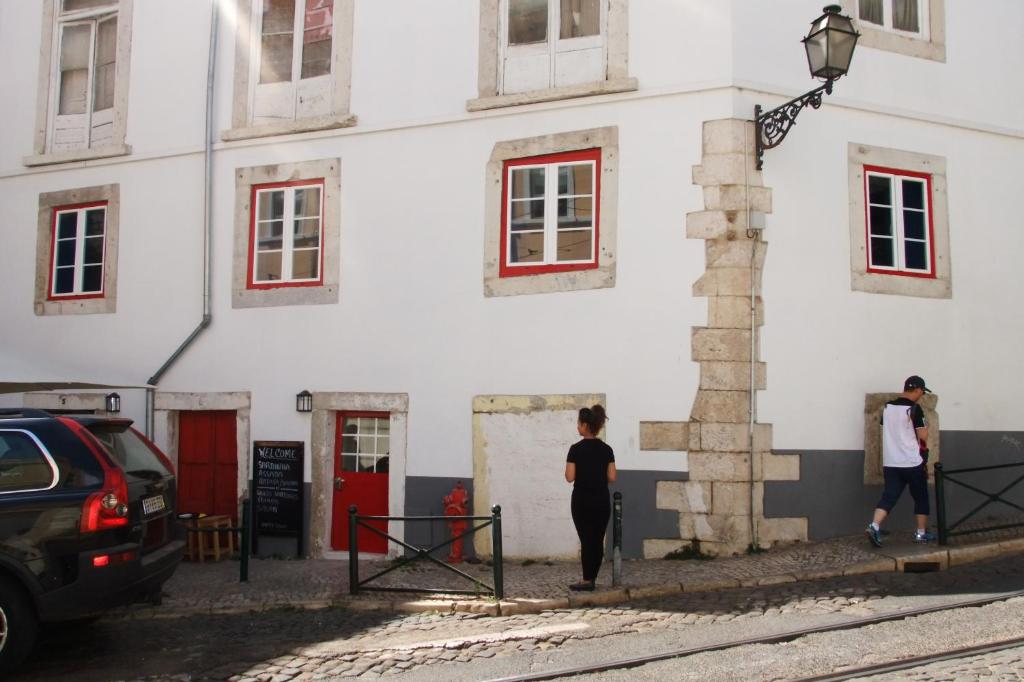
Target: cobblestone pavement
column 1001, row 666
column 284, row 645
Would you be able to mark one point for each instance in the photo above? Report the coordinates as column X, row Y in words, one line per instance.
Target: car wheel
column 18, row 625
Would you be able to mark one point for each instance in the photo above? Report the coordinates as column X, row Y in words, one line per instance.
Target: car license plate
column 153, row 504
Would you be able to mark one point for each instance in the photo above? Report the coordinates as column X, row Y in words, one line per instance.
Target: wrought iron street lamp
column 304, row 401
column 829, row 46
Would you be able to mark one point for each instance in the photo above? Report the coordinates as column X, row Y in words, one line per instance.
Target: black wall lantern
column 829, row 46
column 113, row 403
column 304, row 402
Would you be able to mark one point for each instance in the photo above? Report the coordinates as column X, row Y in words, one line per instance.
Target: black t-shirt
column 591, row 457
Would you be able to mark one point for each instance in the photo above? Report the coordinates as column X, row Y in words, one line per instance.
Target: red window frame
column 253, row 190
column 50, row 296
column 898, row 172
column 505, row 269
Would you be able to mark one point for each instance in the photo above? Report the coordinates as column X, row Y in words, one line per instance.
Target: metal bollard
column 353, row 552
column 499, row 578
column 940, row 503
column 243, row 564
column 617, row 539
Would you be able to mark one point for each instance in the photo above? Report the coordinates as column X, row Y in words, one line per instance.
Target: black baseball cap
column 913, row 382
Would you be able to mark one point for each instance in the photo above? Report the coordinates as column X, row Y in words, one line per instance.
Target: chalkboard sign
column 277, row 485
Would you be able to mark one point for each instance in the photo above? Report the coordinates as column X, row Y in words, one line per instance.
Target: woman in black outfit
column 590, row 467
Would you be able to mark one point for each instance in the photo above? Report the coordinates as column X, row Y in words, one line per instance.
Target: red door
column 362, row 449
column 207, row 463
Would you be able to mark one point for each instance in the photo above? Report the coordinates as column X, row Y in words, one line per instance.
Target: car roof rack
column 23, row 412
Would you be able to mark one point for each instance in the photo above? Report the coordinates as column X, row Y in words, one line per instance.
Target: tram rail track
column 790, row 635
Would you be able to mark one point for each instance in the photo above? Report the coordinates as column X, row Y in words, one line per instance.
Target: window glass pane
column 879, row 190
column 75, row 5
column 276, row 41
column 580, row 18
column 913, row 224
column 871, row 10
column 576, row 179
column 93, row 250
column 366, row 463
column 367, row 445
column 64, row 281
column 129, row 450
column 268, row 266
column 66, row 224
column 913, row 194
column 316, row 38
column 527, row 21
column 306, row 264
column 348, row 463
column 271, row 235
column 881, row 220
column 527, row 215
column 574, row 212
column 92, row 278
column 306, row 233
column 94, row 222
column 367, row 425
column 106, row 57
column 574, row 245
column 74, row 69
column 382, row 465
column 307, row 202
column 527, row 248
column 66, row 252
column 915, row 255
column 383, row 426
column 383, row 445
column 905, row 15
column 882, row 252
column 348, row 443
column 271, row 205
column 22, row 464
column 527, row 183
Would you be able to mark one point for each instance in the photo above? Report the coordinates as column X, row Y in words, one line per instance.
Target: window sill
column 553, row 94
column 551, row 282
column 87, row 306
column 77, row 155
column 306, row 125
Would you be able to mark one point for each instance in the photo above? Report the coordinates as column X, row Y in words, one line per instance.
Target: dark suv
column 86, row 521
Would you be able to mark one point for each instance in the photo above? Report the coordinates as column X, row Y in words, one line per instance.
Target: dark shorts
column 898, row 478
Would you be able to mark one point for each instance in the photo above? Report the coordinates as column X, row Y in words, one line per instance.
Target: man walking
column 904, row 459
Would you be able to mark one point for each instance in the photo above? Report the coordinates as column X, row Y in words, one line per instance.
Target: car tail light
column 107, row 508
column 107, row 559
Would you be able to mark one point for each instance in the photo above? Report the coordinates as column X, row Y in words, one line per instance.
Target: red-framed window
column 898, row 222
column 78, row 251
column 286, row 234
column 550, row 217
column 363, row 441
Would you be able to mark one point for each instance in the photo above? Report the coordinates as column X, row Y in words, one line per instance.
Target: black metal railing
column 355, row 521
column 245, row 544
column 943, row 476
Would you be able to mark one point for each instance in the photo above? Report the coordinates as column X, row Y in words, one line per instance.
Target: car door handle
column 338, row 483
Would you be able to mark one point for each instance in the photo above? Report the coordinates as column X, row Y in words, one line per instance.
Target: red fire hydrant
column 455, row 504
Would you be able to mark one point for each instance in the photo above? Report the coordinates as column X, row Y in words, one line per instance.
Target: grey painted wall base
column 832, row 495
column 641, row 518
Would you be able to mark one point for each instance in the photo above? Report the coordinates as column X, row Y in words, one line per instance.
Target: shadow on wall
column 832, row 495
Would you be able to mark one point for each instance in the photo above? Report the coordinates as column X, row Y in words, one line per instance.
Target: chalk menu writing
column 277, row 483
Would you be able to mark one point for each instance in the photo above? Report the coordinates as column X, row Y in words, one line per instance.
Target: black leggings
column 590, row 514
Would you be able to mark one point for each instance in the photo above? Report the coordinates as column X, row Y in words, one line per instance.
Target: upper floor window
column 899, row 222
column 79, row 238
column 549, row 220
column 542, row 50
column 906, row 16
column 292, row 66
column 286, row 237
column 84, row 72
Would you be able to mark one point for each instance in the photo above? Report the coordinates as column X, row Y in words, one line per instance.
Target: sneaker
column 923, row 536
column 582, row 587
column 874, row 535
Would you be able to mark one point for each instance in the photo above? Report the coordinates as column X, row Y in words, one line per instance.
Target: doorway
column 208, row 462
column 362, row 462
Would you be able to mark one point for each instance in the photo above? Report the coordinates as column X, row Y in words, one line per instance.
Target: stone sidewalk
column 531, row 586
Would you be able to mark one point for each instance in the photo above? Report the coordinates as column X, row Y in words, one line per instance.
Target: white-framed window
column 85, row 68
column 899, row 222
column 907, row 17
column 293, row 64
column 550, row 217
column 79, row 244
column 551, row 43
column 364, row 442
column 287, row 240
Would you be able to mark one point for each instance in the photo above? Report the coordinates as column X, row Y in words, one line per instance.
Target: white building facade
column 456, row 223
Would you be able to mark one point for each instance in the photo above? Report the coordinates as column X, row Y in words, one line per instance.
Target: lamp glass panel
column 817, row 52
column 840, row 51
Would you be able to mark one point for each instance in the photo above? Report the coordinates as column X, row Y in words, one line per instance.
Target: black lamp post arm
column 771, row 127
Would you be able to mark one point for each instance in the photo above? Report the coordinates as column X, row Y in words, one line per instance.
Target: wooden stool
column 209, row 545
